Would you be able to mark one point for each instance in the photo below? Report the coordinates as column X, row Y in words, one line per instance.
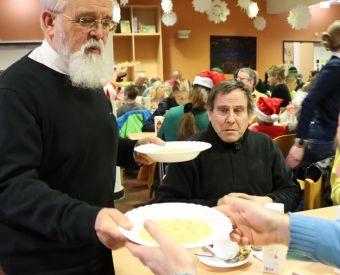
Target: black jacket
column 253, row 165
column 59, row 147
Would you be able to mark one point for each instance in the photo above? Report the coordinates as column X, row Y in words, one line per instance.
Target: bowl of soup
column 175, row 151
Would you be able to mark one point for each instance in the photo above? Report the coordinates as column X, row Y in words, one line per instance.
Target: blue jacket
column 314, row 239
column 322, row 104
column 121, row 120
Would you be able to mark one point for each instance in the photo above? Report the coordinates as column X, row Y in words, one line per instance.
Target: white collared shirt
column 47, row 56
column 337, row 54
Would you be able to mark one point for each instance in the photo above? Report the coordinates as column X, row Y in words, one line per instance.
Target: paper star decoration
column 299, row 17
column 218, row 11
column 252, row 9
column 243, row 4
column 167, row 6
column 201, row 5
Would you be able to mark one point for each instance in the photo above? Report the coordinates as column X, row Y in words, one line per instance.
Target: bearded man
column 59, row 147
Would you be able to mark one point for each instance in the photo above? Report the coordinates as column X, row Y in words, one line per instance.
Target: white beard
column 89, row 70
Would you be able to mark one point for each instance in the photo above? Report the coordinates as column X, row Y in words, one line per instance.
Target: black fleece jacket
column 253, row 165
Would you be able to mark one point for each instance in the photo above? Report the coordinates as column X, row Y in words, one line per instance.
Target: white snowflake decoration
column 201, row 5
column 243, row 4
column 299, row 17
column 218, row 11
column 116, row 11
column 167, row 6
column 169, row 19
column 259, row 23
column 124, row 2
column 252, row 9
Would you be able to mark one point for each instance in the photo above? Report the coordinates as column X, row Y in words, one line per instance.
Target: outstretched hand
column 168, row 258
column 106, row 226
column 142, row 158
column 254, row 224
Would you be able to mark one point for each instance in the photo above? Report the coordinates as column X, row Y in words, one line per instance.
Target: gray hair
column 226, row 87
column 51, row 5
column 253, row 75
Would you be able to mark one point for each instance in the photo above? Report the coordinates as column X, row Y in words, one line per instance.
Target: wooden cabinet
column 140, row 39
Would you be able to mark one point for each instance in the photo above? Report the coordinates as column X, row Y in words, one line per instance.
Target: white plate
column 218, row 222
column 215, row 262
column 187, row 150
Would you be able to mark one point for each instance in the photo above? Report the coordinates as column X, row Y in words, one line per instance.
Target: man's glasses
column 90, row 22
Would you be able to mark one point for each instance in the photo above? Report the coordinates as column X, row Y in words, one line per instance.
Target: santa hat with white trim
column 268, row 109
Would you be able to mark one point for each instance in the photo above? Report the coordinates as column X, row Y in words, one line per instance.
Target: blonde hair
column 181, row 86
column 154, row 88
column 198, row 102
column 278, row 71
column 331, row 37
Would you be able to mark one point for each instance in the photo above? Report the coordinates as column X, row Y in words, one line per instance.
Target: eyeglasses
column 90, row 22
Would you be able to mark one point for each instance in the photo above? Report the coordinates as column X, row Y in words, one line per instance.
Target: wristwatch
column 300, row 142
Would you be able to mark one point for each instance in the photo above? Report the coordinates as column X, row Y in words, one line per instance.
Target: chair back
column 317, row 189
column 285, row 142
column 312, row 196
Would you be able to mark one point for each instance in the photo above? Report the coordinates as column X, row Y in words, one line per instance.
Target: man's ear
column 48, row 22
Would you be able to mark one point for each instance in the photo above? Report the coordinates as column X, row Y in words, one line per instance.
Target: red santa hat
column 214, row 76
column 208, row 79
column 268, row 109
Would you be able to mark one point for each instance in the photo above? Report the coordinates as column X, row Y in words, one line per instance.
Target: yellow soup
column 174, row 150
column 184, row 231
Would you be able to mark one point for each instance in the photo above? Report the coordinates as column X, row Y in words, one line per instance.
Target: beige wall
column 19, row 21
column 306, row 56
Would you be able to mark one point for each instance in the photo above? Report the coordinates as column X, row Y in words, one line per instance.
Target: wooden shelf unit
column 139, row 46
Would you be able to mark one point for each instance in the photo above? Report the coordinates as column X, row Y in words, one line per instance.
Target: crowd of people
column 60, row 145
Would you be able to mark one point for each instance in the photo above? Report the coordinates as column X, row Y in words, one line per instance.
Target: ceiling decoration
column 299, row 17
column 259, row 23
column 252, row 9
column 169, row 19
column 243, row 4
column 167, row 6
column 201, row 5
column 218, row 11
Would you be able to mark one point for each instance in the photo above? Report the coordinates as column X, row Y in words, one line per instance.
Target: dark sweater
column 281, row 91
column 58, row 152
column 322, row 104
column 253, row 165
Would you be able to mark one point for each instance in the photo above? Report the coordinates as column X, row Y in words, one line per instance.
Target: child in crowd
column 267, row 111
column 130, row 95
column 158, row 93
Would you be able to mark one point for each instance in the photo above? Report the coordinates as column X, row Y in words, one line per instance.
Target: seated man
column 130, row 95
column 240, row 163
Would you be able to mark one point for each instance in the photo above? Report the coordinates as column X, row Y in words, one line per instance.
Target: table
column 126, row 264
column 136, row 136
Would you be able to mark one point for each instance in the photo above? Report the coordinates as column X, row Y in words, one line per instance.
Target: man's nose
column 98, row 31
column 230, row 117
